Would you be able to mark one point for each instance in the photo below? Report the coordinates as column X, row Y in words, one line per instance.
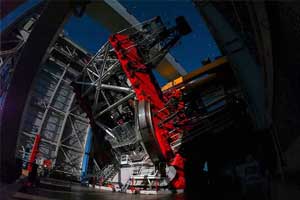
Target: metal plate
column 147, row 132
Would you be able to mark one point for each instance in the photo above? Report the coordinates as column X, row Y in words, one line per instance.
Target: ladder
column 126, row 185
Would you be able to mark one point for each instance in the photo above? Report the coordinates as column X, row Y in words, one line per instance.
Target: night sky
column 189, row 52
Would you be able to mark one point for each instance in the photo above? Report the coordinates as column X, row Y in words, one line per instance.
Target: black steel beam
column 42, row 36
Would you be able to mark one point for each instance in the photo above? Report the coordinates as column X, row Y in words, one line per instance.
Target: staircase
column 126, row 185
column 108, row 172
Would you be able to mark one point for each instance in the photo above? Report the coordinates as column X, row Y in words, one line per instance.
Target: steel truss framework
column 52, row 111
column 111, row 104
column 118, row 78
column 115, row 92
column 122, row 99
column 11, row 46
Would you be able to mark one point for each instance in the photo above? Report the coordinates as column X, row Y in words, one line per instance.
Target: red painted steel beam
column 34, row 151
column 146, row 88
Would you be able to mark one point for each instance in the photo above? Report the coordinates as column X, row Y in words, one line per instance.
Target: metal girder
column 249, row 73
column 72, row 148
column 205, row 69
column 51, row 100
column 31, row 135
column 110, row 87
column 60, row 98
column 62, row 129
column 75, row 132
column 82, row 119
column 32, row 56
column 116, row 104
column 68, row 158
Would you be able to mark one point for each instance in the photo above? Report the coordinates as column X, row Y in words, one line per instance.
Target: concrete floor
column 279, row 191
column 17, row 190
column 44, row 194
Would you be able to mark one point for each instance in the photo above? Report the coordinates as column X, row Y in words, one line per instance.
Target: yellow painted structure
column 205, row 69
